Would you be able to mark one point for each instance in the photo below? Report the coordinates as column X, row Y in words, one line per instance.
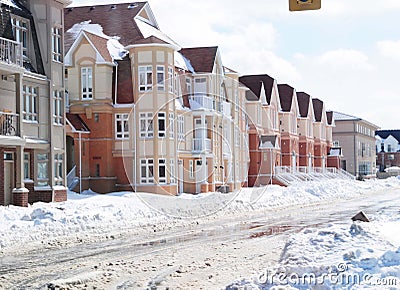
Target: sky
column 346, row 54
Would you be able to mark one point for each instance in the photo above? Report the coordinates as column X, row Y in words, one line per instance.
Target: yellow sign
column 299, row 5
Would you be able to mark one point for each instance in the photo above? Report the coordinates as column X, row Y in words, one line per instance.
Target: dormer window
column 20, row 31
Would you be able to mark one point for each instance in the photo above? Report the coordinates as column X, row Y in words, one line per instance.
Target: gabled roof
column 329, row 117
column 286, row 96
column 202, row 59
column 100, row 44
column 318, row 106
column 386, row 133
column 77, row 123
column 254, row 83
column 337, row 116
column 303, row 100
column 151, row 40
column 115, row 19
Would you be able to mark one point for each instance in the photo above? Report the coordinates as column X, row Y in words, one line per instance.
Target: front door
column 8, row 181
column 200, row 171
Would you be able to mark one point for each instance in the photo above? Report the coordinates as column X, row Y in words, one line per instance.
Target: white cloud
column 389, row 49
column 345, row 59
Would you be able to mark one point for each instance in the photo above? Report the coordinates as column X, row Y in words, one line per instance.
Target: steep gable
column 286, row 97
column 202, row 59
column 386, row 133
column 303, row 100
column 318, row 106
column 329, row 118
column 255, row 83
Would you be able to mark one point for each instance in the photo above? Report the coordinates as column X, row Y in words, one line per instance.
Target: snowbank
column 341, row 255
column 93, row 216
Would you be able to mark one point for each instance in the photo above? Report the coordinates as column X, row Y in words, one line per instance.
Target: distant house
column 387, row 148
column 32, row 136
column 356, row 137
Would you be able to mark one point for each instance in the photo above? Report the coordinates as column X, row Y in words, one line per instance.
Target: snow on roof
column 182, row 62
column 343, row 116
column 179, row 105
column 195, row 105
column 87, row 26
column 9, row 3
column 148, row 30
column 335, row 152
column 115, row 48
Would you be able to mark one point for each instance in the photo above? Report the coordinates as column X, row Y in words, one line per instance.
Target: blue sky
column 346, row 54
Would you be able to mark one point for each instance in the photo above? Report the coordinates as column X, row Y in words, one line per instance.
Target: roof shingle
column 202, row 59
column 115, row 19
column 254, row 83
column 286, row 96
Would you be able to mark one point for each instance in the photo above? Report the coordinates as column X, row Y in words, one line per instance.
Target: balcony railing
column 10, row 52
column 204, row 101
column 201, row 145
column 9, row 124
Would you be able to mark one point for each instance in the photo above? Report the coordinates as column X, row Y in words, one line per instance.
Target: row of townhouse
column 146, row 114
column 124, row 107
column 289, row 131
column 32, row 137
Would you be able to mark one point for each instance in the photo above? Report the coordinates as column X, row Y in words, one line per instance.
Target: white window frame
column 42, row 161
column 27, row 165
column 171, row 79
column 58, row 169
column 146, row 125
column 188, row 82
column 161, row 124
column 20, row 28
column 191, row 169
column 172, row 174
column 160, row 78
column 147, row 171
column 162, row 168
column 177, row 84
column 145, row 76
column 30, row 103
column 181, row 127
column 121, row 126
column 58, row 112
column 87, row 83
column 56, row 35
column 171, row 125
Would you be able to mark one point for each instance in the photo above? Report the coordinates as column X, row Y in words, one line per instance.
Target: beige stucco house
column 32, row 136
column 155, row 117
column 356, row 137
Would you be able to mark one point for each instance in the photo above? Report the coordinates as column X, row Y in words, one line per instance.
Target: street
column 207, row 255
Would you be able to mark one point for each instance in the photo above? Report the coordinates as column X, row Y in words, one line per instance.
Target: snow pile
column 90, row 216
column 344, row 255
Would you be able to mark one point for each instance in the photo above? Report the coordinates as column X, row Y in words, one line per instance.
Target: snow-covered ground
column 89, row 216
column 342, row 255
